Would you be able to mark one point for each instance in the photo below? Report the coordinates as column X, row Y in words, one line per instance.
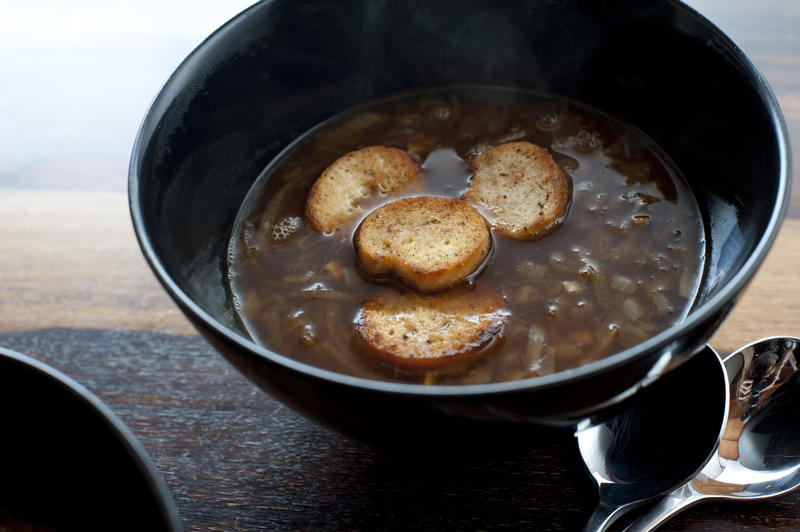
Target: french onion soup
column 465, row 236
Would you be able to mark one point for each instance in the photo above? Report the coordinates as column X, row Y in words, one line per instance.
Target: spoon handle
column 604, row 515
column 670, row 505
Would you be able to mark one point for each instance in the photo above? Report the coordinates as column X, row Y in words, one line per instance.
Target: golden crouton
column 336, row 194
column 520, row 190
column 429, row 243
column 414, row 331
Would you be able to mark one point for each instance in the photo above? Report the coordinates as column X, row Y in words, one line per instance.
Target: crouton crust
column 334, row 198
column 428, row 243
column 418, row 332
column 520, row 189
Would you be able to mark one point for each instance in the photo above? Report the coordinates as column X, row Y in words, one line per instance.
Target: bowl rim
column 133, row 448
column 708, row 310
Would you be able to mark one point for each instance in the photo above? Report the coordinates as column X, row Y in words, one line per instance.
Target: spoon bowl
column 624, row 451
column 759, row 455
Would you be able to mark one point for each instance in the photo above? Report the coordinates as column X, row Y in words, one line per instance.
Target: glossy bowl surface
column 281, row 67
column 68, row 462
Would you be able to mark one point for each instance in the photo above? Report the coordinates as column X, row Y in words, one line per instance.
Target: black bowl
column 281, row 67
column 67, row 462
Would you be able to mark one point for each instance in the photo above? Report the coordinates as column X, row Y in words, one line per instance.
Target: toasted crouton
column 520, row 190
column 334, row 198
column 414, row 331
column 429, row 243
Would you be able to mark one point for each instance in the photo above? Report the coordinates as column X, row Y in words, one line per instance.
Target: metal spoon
column 759, row 455
column 656, row 440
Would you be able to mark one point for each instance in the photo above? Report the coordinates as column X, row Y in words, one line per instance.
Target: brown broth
column 624, row 265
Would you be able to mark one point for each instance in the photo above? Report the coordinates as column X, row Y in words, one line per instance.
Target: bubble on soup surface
column 285, row 229
column 587, row 141
column 621, row 226
column 588, row 270
column 607, row 335
column 581, row 307
column 559, row 262
column 441, row 112
column 477, row 150
column 297, row 319
column 548, row 122
column 307, row 337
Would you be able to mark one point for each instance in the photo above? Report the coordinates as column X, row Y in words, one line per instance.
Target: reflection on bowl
column 279, row 68
column 68, row 463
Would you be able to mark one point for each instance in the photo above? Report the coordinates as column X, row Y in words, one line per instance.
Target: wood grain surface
column 76, row 293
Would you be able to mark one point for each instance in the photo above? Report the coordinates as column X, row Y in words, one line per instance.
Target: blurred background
column 77, row 77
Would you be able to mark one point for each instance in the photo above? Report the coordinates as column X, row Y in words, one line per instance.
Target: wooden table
column 76, row 294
